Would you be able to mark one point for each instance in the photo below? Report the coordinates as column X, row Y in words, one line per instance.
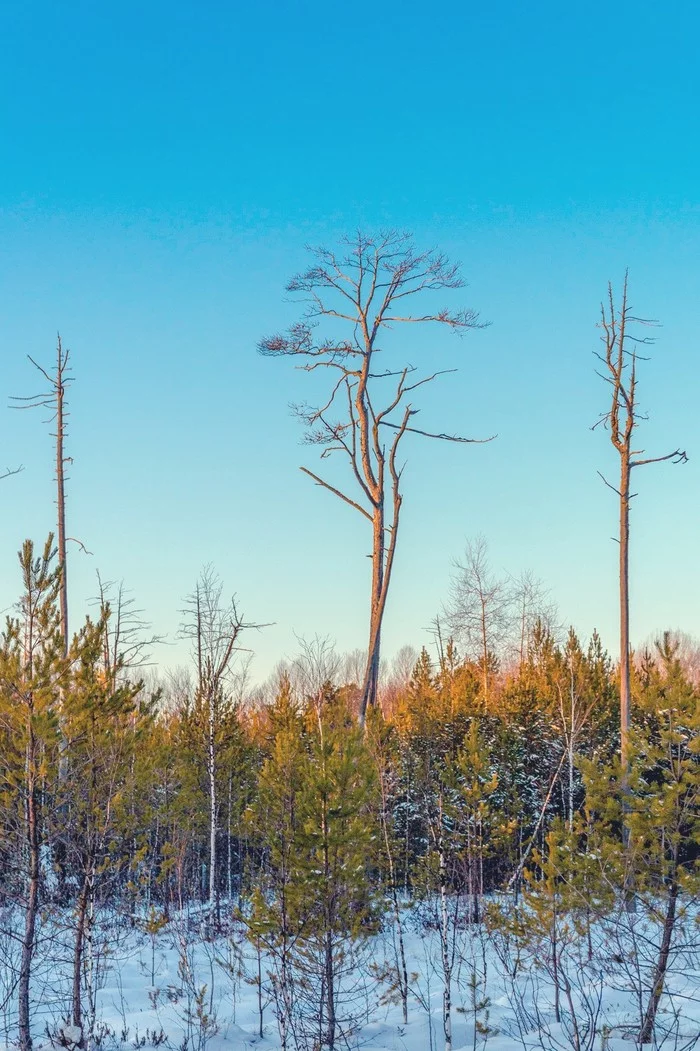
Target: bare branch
column 464, row 319
column 42, row 370
column 677, row 456
column 80, row 544
column 337, row 492
column 442, row 437
column 609, row 485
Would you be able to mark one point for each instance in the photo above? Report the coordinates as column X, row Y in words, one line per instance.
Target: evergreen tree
column 102, row 723
column 315, row 905
column 337, row 834
column 33, row 670
column 655, row 802
column 279, row 903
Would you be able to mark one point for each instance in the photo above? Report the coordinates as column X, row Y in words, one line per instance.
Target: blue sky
column 163, row 167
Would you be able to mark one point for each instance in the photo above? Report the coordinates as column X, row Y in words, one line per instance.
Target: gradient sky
column 163, row 166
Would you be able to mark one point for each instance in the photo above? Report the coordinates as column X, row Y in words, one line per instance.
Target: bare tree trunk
column 647, row 1033
column 80, row 930
column 402, row 969
column 383, row 563
column 624, row 612
column 330, row 992
column 261, row 1007
column 445, row 951
column 555, row 967
column 571, row 783
column 371, row 682
column 229, row 845
column 625, row 686
column 211, row 744
column 32, row 903
column 61, row 362
column 479, row 895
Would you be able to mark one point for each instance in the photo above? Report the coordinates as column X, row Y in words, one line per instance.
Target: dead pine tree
column 55, row 399
column 619, row 360
column 361, row 292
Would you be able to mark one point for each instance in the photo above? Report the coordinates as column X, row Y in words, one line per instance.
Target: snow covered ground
column 176, row 989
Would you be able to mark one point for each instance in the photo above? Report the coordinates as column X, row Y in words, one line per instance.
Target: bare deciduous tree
column 619, row 359
column 479, row 611
column 369, row 409
column 316, row 666
column 403, row 664
column 215, row 629
column 127, row 639
column 352, row 667
column 531, row 604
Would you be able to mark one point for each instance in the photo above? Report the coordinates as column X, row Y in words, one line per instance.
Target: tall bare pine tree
column 363, row 290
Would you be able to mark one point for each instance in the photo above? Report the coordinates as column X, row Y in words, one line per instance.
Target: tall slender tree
column 364, row 288
column 32, row 672
column 215, row 629
column 619, row 360
column 55, row 399
column 104, row 720
column 336, row 815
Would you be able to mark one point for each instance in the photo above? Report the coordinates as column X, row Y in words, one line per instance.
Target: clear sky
column 163, row 166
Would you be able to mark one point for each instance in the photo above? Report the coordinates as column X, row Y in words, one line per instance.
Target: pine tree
column 33, row 670
column 279, row 903
column 482, row 826
column 549, row 927
column 384, row 747
column 655, row 801
column 315, row 905
column 102, row 722
column 337, row 834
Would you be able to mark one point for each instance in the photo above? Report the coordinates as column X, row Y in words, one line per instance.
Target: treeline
column 470, row 783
